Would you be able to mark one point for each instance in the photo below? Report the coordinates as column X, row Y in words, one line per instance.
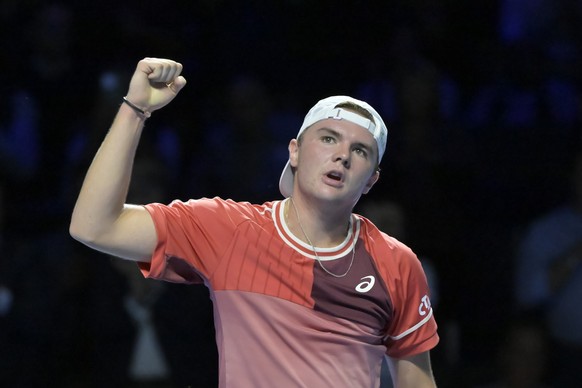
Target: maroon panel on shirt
column 361, row 296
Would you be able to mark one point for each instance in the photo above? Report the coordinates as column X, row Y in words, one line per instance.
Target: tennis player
column 305, row 293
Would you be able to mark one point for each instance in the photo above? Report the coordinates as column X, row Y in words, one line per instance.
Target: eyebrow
column 330, row 131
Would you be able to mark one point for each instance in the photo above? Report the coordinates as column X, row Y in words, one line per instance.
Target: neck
column 314, row 226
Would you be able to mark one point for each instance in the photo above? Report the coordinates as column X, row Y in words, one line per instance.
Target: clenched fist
column 155, row 83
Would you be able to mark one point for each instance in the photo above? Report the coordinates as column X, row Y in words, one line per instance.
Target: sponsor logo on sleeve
column 424, row 307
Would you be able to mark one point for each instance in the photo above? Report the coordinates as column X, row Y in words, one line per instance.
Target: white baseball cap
column 327, row 109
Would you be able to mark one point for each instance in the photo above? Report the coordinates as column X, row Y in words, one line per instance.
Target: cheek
column 313, row 157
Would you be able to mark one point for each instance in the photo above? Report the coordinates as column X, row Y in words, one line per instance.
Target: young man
column 305, row 293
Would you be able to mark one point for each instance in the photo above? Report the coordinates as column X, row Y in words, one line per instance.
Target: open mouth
column 335, row 176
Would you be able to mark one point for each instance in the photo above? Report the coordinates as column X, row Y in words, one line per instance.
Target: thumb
column 178, row 84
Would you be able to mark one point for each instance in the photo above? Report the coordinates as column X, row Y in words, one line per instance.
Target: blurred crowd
column 482, row 175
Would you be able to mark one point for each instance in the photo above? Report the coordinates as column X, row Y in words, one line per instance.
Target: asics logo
column 366, row 284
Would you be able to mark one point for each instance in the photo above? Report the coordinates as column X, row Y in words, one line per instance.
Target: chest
column 260, row 262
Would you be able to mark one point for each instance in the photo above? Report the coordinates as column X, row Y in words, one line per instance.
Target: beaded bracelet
column 136, row 108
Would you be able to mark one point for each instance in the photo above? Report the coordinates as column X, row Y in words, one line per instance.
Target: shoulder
column 372, row 234
column 390, row 254
column 214, row 208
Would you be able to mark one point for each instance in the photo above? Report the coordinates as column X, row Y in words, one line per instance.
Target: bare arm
column 412, row 372
column 101, row 219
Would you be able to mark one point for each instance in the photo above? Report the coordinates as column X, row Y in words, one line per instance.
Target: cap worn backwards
column 327, row 109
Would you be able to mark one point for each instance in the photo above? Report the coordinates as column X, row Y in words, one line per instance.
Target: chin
column 339, row 197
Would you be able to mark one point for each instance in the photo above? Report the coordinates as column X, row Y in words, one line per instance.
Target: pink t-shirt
column 281, row 320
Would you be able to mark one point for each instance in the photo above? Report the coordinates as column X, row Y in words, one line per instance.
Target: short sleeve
column 413, row 327
column 191, row 239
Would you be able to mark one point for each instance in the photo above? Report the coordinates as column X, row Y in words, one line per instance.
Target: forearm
column 104, row 190
column 415, row 371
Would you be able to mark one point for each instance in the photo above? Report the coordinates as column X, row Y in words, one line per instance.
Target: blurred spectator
column 34, row 131
column 385, row 77
column 550, row 26
column 549, row 278
column 525, row 19
column 426, row 151
column 527, row 87
column 249, row 133
column 522, row 358
column 45, row 112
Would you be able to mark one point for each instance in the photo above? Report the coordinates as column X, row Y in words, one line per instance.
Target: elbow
column 81, row 232
column 76, row 232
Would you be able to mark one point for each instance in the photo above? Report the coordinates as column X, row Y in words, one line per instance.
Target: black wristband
column 136, row 108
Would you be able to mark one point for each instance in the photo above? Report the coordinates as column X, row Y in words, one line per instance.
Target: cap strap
column 339, row 114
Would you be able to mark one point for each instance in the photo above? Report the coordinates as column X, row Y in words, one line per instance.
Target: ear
column 373, row 179
column 293, row 152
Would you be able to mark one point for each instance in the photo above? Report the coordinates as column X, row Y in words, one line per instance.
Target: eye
column 361, row 152
column 328, row 139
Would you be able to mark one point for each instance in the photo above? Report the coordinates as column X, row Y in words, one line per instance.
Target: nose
column 343, row 156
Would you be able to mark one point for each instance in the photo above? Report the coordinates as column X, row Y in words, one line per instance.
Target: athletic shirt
column 280, row 319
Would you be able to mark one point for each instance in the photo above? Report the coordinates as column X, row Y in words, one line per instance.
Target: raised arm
column 101, row 219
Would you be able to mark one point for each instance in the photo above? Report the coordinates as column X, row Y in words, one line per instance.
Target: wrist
column 143, row 113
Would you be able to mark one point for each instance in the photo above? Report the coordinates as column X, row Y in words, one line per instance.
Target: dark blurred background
column 483, row 103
